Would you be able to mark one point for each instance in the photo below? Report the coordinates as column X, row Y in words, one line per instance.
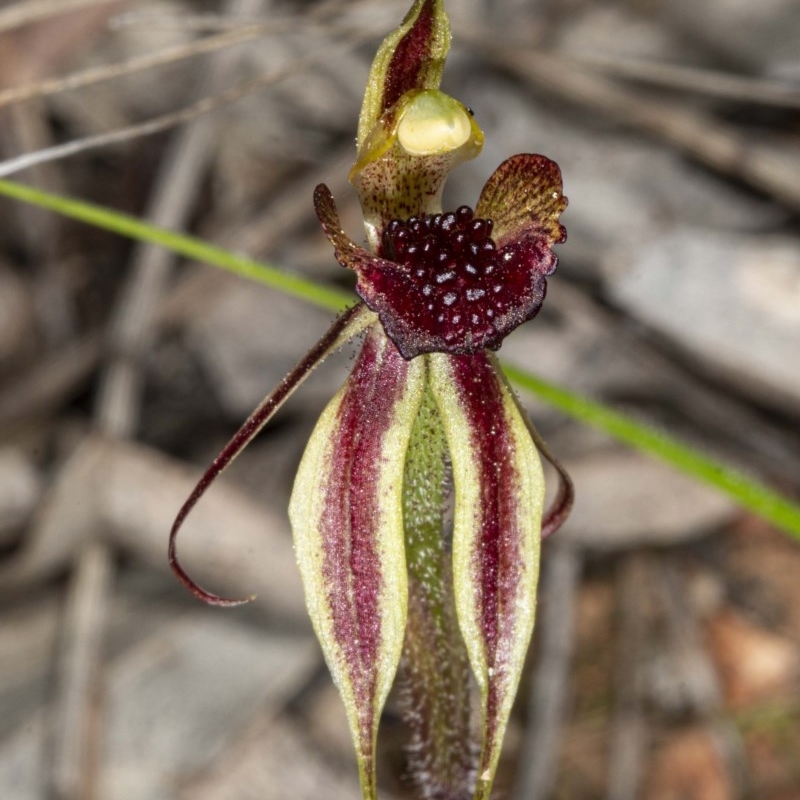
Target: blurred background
column 666, row 664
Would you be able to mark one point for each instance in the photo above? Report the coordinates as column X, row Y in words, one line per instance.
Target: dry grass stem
column 208, row 23
column 187, row 114
column 630, row 730
column 30, row 11
column 169, row 55
column 78, row 669
column 236, row 32
column 548, row 704
column 714, row 143
column 739, row 88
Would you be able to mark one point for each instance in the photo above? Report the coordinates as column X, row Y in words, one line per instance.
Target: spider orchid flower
column 389, row 576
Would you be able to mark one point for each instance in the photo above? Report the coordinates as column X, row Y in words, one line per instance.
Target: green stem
column 435, row 671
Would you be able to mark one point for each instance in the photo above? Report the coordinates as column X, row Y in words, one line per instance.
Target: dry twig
column 234, row 34
column 739, row 88
column 30, row 11
column 184, row 115
column 629, row 735
column 714, row 143
column 117, row 412
column 94, row 75
column 548, row 699
column 81, row 642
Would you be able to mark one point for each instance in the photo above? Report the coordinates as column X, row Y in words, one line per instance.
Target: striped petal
column 524, row 199
column 349, row 324
column 435, row 699
column 411, row 57
column 347, row 518
column 410, row 135
column 499, row 495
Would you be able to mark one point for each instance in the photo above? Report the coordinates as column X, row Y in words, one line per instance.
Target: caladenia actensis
column 390, row 580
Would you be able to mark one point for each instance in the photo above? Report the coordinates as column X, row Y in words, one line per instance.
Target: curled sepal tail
column 346, row 512
column 499, row 496
column 348, row 325
column 559, row 509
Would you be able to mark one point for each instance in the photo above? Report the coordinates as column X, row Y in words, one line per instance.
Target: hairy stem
column 436, row 670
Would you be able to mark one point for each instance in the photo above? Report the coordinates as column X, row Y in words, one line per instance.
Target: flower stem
column 436, row 670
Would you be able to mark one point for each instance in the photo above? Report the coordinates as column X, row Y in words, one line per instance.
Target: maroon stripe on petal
column 345, row 327
column 524, row 198
column 499, row 492
column 496, row 561
column 352, row 564
column 410, row 57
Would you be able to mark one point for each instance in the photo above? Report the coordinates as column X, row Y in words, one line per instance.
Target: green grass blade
column 747, row 492
column 183, row 245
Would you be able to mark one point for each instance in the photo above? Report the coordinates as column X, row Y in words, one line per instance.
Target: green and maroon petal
column 410, row 135
column 499, row 495
column 435, row 673
column 410, row 57
column 345, row 250
column 349, row 324
column 524, row 200
column 347, row 518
